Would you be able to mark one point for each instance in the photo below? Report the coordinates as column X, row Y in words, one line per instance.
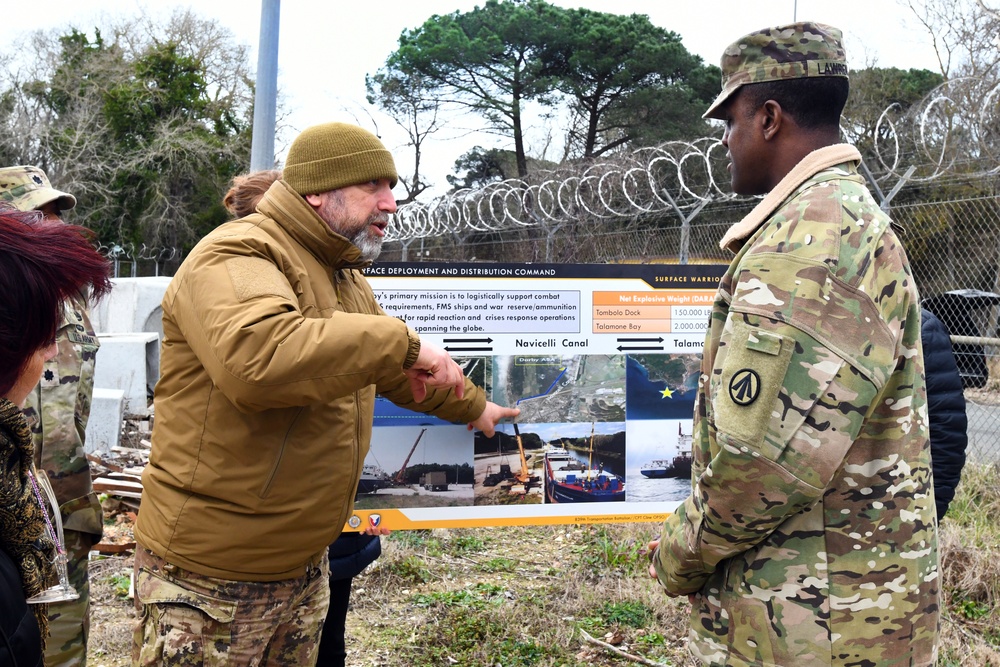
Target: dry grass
column 513, row 596
column 519, row 597
column 970, row 562
column 111, row 615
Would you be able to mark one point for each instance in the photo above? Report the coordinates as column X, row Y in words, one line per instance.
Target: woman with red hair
column 41, row 263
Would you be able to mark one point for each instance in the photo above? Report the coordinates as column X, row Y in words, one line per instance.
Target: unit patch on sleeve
column 744, row 387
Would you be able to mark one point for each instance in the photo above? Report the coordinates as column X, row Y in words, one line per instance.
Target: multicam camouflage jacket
column 809, row 536
column 58, row 410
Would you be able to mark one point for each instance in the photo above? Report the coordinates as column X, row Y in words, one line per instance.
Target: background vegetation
column 146, row 121
column 574, row 596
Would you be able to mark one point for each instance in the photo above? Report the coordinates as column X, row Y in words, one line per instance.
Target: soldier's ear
column 771, row 118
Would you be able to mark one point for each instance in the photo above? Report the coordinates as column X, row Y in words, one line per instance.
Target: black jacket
column 20, row 641
column 351, row 553
column 945, row 408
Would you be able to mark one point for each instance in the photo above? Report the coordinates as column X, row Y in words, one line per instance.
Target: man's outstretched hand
column 492, row 415
column 434, row 368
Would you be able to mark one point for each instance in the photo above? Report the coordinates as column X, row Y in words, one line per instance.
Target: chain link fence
column 935, row 169
column 954, row 249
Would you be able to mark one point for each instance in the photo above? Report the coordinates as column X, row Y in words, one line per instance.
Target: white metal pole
column 265, row 97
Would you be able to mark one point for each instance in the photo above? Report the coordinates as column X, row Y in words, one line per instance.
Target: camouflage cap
column 793, row 51
column 28, row 188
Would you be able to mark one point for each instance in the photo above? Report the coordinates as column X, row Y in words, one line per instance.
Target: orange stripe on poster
column 671, row 298
column 396, row 519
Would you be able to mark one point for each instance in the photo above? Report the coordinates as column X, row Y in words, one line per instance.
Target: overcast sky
column 326, row 47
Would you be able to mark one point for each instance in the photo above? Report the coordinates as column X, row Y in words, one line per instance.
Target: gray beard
column 369, row 244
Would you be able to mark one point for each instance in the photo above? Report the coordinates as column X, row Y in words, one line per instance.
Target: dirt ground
column 525, row 596
column 378, row 601
column 385, row 628
column 111, row 613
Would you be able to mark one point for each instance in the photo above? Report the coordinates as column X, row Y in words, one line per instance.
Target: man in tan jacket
column 274, row 349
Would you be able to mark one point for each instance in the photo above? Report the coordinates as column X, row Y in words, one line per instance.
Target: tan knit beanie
column 334, row 155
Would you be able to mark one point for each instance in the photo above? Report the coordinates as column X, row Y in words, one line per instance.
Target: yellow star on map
column 667, row 393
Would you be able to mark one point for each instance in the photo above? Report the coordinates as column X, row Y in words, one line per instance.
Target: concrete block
column 129, row 362
column 104, row 428
column 132, row 306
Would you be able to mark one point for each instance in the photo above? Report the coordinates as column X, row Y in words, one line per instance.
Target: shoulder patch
column 254, row 277
column 744, row 387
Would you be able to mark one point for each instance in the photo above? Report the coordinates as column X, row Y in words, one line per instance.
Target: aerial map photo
column 553, row 388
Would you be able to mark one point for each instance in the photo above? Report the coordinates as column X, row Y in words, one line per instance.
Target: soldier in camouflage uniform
column 58, row 410
column 809, row 537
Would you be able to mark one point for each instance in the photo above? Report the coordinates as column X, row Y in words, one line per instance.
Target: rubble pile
column 117, row 476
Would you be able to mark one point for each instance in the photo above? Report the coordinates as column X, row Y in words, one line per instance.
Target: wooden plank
column 112, row 548
column 118, row 487
column 104, row 464
column 132, row 451
column 135, row 495
column 127, row 476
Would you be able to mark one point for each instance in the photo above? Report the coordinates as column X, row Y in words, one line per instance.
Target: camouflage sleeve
column 801, row 359
column 58, row 410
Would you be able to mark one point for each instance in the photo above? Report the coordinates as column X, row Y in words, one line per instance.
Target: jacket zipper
column 355, row 475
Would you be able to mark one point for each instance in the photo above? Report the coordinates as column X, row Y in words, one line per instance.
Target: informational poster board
column 603, row 362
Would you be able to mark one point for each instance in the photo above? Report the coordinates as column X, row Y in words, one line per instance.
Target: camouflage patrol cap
column 28, row 188
column 792, row 51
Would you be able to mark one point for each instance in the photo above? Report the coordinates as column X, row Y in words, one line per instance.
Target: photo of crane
column 507, row 467
column 417, row 466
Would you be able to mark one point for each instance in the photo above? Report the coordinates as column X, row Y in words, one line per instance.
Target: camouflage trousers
column 69, row 622
column 190, row 619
